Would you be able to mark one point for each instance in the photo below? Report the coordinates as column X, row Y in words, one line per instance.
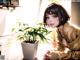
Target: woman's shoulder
column 71, row 26
column 72, row 31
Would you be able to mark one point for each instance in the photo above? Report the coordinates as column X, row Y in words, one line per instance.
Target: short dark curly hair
column 59, row 11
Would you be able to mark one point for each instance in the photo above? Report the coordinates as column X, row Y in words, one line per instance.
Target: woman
column 56, row 16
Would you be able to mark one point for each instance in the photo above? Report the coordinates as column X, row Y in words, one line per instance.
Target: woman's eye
column 47, row 17
column 55, row 16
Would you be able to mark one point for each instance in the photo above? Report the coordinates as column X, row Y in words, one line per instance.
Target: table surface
column 15, row 52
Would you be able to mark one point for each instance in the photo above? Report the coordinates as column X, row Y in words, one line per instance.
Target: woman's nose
column 50, row 20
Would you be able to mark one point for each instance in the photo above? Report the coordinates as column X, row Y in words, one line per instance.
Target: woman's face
column 52, row 20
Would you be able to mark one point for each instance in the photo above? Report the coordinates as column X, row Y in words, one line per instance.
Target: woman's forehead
column 50, row 14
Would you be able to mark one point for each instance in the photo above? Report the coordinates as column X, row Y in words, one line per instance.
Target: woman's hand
column 51, row 56
column 47, row 56
column 54, row 55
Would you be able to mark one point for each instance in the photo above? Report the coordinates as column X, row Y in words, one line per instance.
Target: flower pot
column 29, row 50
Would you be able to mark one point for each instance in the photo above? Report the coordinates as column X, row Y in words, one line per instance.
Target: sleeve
column 72, row 35
column 74, row 45
column 71, row 55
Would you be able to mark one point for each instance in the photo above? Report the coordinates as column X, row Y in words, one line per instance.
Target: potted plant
column 30, row 36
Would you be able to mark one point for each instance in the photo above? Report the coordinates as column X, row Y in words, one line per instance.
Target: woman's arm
column 73, row 35
column 71, row 55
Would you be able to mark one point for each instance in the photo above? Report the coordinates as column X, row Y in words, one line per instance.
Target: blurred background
column 75, row 12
